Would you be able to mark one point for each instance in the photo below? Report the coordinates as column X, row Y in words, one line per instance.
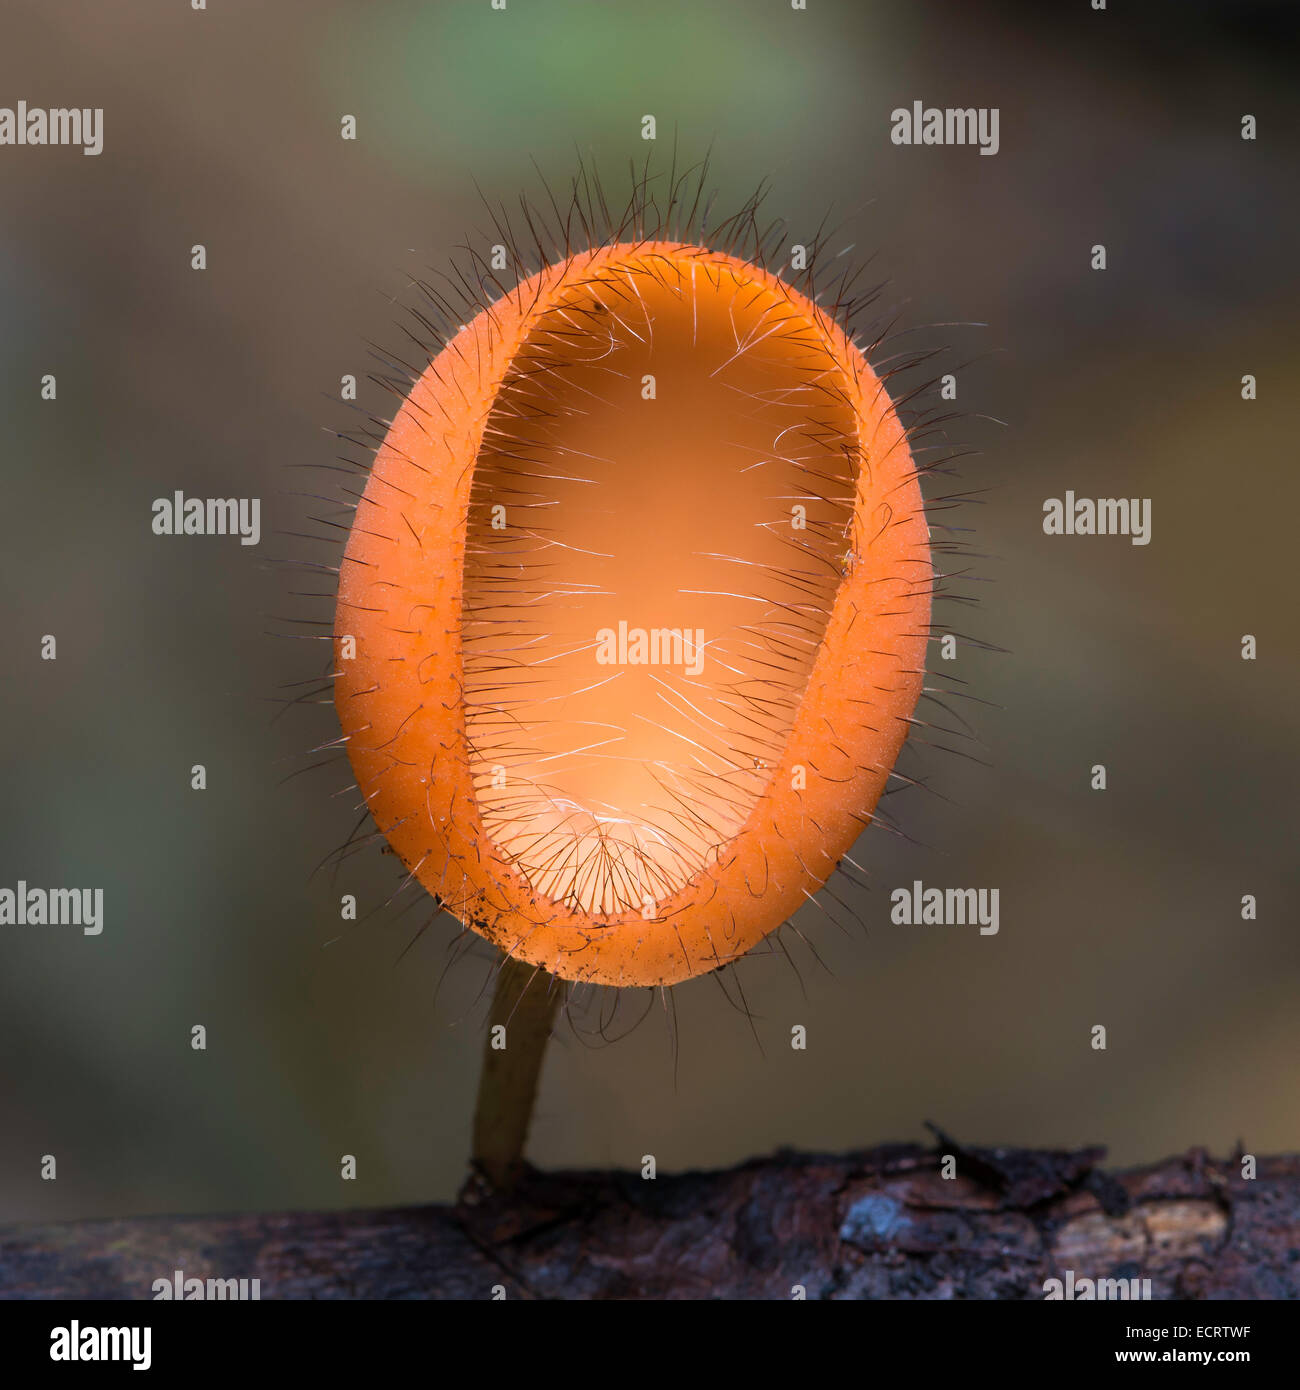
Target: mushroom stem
column 525, row 1004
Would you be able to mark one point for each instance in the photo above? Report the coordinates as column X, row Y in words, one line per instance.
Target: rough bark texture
column 883, row 1223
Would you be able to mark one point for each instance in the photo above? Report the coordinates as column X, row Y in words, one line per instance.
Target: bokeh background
column 1121, row 908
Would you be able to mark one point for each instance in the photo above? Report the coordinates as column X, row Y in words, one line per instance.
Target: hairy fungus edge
column 847, row 733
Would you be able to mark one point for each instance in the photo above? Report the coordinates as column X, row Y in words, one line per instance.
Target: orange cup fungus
column 633, row 614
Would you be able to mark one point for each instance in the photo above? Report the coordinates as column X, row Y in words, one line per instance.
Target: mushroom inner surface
column 660, row 514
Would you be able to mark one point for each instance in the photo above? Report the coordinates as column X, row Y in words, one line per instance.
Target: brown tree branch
column 883, row 1223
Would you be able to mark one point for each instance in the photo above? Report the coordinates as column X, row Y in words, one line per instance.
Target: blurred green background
column 1120, row 908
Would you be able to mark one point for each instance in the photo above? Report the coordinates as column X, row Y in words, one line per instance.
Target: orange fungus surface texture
column 633, row 613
